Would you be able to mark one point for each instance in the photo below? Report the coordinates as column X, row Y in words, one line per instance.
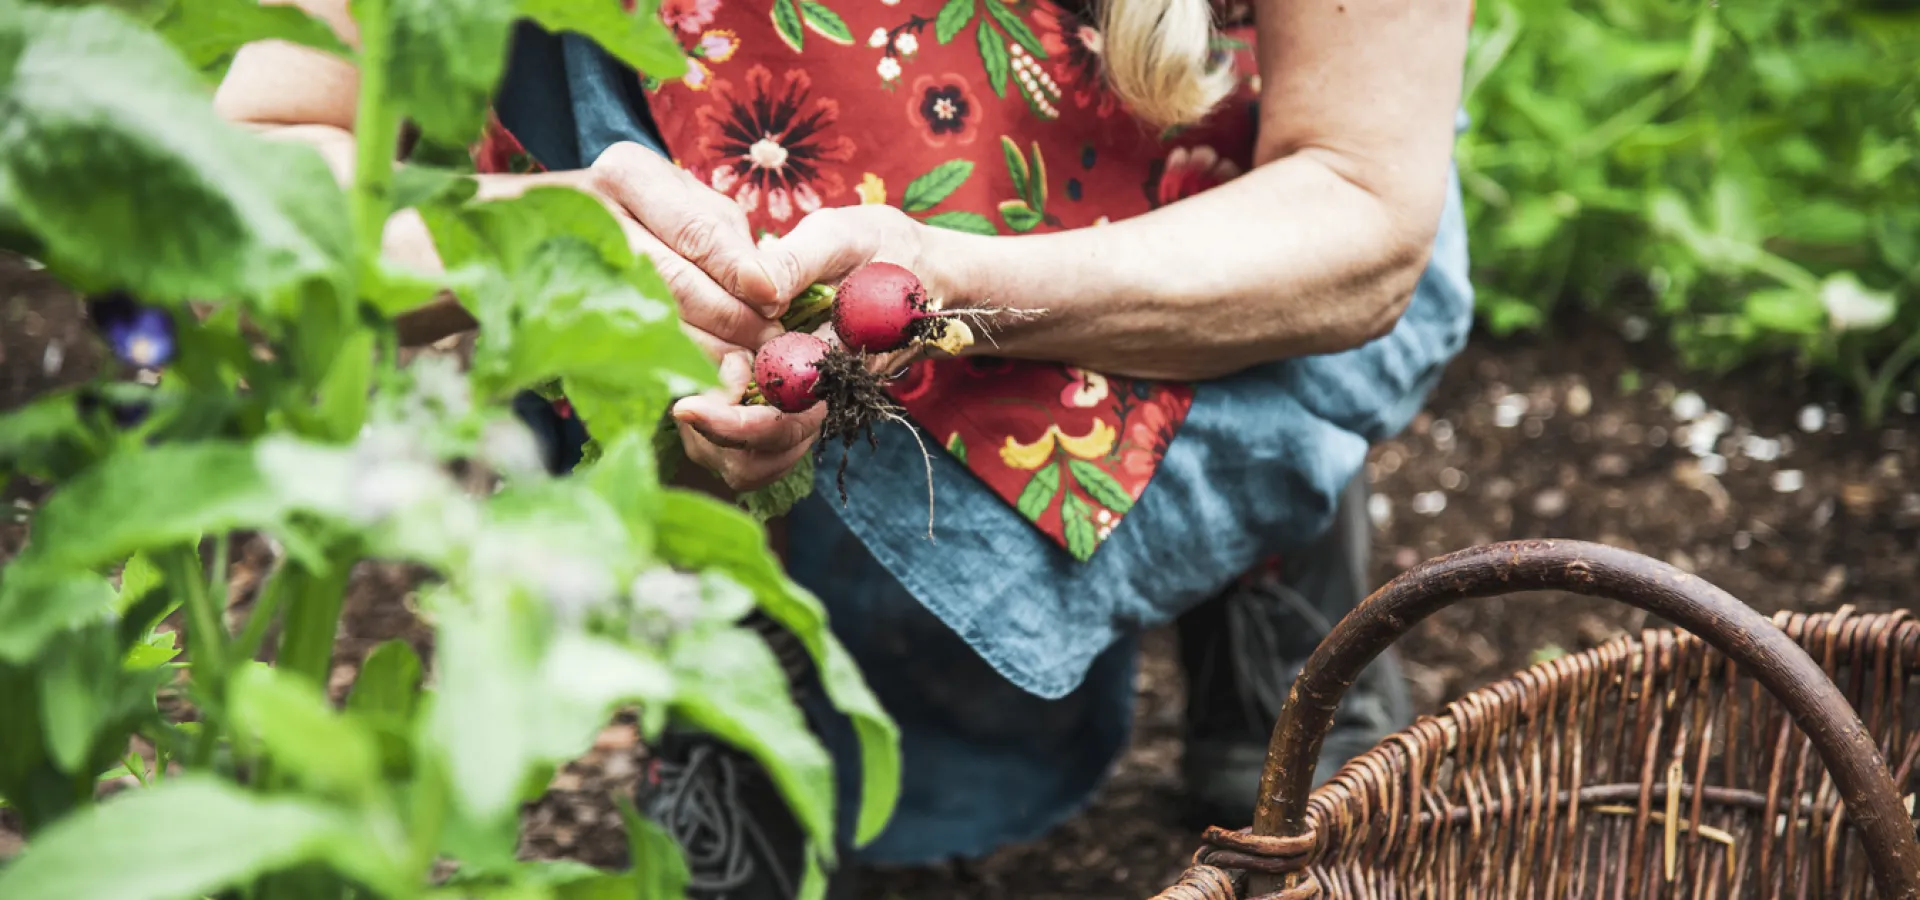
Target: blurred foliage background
column 1742, row 175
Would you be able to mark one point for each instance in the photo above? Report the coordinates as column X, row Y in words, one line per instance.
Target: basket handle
column 1729, row 626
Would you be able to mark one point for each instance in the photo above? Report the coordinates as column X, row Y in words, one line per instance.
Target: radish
column 879, row 308
column 787, row 369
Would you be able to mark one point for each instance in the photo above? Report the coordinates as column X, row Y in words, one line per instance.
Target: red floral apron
column 978, row 115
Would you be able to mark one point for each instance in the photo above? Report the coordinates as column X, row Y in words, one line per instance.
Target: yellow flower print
column 872, row 190
column 1095, row 444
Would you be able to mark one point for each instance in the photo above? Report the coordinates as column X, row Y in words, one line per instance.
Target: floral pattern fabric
column 984, row 116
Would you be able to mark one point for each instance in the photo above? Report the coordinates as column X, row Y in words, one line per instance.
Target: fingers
column 718, row 416
column 747, row 446
column 696, row 222
column 704, row 304
column 822, row 248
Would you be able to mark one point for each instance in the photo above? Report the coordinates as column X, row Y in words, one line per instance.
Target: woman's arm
column 1316, row 250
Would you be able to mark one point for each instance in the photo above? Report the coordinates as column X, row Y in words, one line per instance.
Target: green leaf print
column 929, row 189
column 1082, row 539
column 1037, row 497
column 1019, row 216
column 958, row 448
column 786, row 20
column 953, row 17
column 825, row 22
column 1100, row 486
column 1016, row 165
column 1009, row 20
column 960, row 220
column 993, row 52
column 1037, row 186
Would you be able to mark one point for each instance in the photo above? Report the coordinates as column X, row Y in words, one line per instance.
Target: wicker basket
column 1727, row 760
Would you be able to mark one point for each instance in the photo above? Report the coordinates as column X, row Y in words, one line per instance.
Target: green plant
column 1757, row 162
column 244, row 271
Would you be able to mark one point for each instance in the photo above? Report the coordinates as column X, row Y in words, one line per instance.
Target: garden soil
column 1761, row 481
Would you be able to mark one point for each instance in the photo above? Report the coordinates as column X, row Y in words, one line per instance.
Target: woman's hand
column 748, row 447
column 829, row 243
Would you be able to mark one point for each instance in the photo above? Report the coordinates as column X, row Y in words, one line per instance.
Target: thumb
column 822, row 248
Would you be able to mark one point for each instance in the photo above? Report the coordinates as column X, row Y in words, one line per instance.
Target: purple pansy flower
column 141, row 335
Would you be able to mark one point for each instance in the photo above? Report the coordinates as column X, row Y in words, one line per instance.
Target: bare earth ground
column 1585, row 435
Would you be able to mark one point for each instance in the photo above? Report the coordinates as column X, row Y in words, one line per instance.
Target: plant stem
column 306, row 644
column 1903, row 356
column 206, row 643
column 265, row 607
column 376, row 131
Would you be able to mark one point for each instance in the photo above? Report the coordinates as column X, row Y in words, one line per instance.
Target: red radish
column 880, row 308
column 787, row 369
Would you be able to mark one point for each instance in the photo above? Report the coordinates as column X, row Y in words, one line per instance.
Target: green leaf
column 1100, row 486
column 825, row 22
column 576, row 303
column 418, row 185
column 197, row 836
column 1016, row 165
column 154, row 497
column 953, row 17
column 698, row 533
column 389, row 682
column 658, row 863
column 265, row 215
column 1037, row 184
column 993, row 54
column 924, row 192
column 299, row 730
column 732, row 687
column 36, row 605
column 1019, row 216
column 208, row 32
column 786, row 22
column 138, row 578
column 510, row 701
column 640, row 38
column 963, row 221
column 1082, row 540
column 1037, row 497
column 341, row 405
column 1009, row 20
column 43, row 437
column 444, row 61
column 777, row 499
column 77, row 686
column 1786, row 310
column 628, row 479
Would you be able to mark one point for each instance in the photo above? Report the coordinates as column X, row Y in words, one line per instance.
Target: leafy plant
column 254, row 282
column 1757, row 163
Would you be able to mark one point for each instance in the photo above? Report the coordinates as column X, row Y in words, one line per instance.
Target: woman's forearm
column 1290, row 259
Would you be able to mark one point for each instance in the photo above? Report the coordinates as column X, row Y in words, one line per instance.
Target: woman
column 1249, row 252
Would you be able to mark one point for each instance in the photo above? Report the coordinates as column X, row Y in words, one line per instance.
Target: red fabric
column 794, row 105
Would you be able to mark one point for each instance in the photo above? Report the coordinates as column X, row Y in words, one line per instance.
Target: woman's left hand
column 829, row 243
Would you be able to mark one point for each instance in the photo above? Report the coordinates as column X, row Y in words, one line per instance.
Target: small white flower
column 438, row 382
column 879, row 38
column 889, row 68
column 1852, row 307
column 906, row 43
column 510, row 447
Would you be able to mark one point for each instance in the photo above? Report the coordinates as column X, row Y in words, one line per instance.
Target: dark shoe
column 740, row 840
column 1241, row 651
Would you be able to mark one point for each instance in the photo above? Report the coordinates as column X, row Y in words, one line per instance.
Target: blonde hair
column 1159, row 59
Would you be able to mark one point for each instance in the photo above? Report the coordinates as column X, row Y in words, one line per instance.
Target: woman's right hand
column 698, row 240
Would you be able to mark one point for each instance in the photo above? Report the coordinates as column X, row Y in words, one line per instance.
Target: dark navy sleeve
column 567, row 100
